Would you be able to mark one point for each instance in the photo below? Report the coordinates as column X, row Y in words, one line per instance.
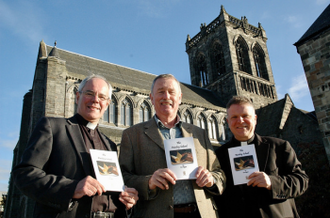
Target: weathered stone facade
column 59, row 72
column 229, row 56
column 314, row 50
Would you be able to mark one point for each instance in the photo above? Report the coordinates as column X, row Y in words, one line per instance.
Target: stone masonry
column 314, row 50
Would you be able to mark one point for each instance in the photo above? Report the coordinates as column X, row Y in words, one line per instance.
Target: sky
column 147, row 35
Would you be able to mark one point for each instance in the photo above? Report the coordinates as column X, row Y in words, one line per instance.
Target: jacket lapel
column 262, row 150
column 151, row 130
column 106, row 142
column 79, row 144
column 186, row 130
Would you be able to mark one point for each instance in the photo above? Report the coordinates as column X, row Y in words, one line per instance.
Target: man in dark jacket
column 269, row 192
column 56, row 169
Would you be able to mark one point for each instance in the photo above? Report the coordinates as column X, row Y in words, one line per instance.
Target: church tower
column 230, row 56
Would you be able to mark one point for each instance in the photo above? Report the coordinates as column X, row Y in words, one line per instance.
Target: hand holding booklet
column 181, row 157
column 107, row 169
column 243, row 162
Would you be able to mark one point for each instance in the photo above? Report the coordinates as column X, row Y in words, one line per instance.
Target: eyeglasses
column 90, row 94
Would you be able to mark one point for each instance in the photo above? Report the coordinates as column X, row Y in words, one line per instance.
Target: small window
column 126, row 113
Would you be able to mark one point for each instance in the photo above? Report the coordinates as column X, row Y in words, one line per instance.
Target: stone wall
column 315, row 56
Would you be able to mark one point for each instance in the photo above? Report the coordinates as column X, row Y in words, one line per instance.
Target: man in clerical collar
column 56, row 169
column 143, row 162
column 269, row 192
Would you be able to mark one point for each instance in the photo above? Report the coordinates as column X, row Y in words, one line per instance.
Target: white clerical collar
column 91, row 125
column 244, row 143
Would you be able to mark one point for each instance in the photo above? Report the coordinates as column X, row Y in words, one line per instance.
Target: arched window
column 201, row 122
column 106, row 115
column 218, row 60
column 187, row 117
column 259, row 60
column 242, row 55
column 223, row 130
column 202, row 70
column 75, row 106
column 144, row 112
column 126, row 113
column 110, row 114
column 212, row 128
column 112, row 108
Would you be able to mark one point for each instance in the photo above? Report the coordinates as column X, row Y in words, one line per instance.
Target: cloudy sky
column 147, row 35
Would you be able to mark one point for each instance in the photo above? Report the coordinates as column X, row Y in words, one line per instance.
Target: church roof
column 273, row 117
column 129, row 79
column 322, row 23
column 269, row 118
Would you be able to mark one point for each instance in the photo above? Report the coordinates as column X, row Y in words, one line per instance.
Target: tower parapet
column 224, row 16
column 230, row 56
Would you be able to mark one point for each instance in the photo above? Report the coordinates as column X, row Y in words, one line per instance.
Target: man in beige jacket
column 144, row 167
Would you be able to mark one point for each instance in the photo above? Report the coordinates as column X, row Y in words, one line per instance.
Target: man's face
column 242, row 121
column 90, row 106
column 166, row 97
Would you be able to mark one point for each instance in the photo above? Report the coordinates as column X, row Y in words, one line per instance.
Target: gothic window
column 106, row 115
column 144, row 112
column 126, row 113
column 187, row 117
column 212, row 128
column 255, row 89
column 259, row 60
column 218, row 60
column 242, row 55
column 201, row 122
column 112, row 108
column 223, row 130
column 202, row 71
column 75, row 107
column 110, row 114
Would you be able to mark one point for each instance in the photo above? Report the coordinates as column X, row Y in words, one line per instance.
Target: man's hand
column 160, row 179
column 88, row 186
column 260, row 179
column 204, row 177
column 129, row 197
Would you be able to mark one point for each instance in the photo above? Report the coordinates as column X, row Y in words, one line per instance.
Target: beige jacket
column 142, row 153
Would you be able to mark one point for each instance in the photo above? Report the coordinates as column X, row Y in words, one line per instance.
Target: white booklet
column 107, row 169
column 243, row 162
column 181, row 157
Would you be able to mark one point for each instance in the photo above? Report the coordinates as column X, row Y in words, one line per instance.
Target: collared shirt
column 183, row 191
column 239, row 143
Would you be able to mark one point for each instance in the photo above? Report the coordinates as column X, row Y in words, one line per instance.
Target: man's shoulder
column 53, row 120
column 270, row 139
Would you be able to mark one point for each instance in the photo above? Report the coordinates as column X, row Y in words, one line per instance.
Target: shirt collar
column 161, row 125
column 250, row 141
column 83, row 122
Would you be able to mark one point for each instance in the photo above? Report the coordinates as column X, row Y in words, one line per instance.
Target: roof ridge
column 71, row 52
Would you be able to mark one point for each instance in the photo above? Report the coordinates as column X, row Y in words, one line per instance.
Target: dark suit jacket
column 278, row 160
column 53, row 163
column 142, row 153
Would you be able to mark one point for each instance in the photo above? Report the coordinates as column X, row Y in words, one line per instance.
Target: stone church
column 227, row 57
column 314, row 50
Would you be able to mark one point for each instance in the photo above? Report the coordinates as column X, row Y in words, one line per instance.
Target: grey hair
column 83, row 83
column 167, row 76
